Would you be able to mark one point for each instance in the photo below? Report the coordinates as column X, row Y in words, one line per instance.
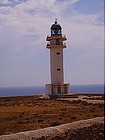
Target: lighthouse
column 56, row 45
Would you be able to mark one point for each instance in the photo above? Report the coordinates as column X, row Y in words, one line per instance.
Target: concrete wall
column 91, row 129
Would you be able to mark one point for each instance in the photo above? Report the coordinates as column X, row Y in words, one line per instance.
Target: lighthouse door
column 52, row 90
column 65, row 89
column 59, row 90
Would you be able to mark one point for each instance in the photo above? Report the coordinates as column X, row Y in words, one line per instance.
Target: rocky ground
column 25, row 113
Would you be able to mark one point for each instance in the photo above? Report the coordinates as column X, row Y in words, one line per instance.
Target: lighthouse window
column 57, row 42
column 58, row 53
column 58, row 69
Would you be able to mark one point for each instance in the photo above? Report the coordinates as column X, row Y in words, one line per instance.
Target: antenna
column 55, row 20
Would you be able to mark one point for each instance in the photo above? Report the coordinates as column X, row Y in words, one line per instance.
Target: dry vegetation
column 29, row 113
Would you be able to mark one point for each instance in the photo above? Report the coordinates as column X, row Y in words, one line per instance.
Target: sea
column 32, row 90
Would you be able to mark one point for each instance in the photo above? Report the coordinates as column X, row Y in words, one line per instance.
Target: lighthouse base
column 57, row 88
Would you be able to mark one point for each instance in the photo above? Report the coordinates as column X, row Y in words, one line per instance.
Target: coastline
column 34, row 90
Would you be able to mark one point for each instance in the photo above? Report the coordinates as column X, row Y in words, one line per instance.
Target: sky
column 24, row 26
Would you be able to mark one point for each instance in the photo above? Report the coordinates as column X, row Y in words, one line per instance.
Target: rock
column 40, row 120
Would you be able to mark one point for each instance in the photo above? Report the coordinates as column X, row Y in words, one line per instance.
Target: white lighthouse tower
column 56, row 45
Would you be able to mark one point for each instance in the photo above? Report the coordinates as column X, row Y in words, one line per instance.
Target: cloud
column 24, row 25
column 4, row 2
column 29, row 20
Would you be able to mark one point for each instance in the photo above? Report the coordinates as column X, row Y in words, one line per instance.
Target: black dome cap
column 56, row 26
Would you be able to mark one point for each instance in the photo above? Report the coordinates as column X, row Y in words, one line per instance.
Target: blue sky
column 24, row 25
